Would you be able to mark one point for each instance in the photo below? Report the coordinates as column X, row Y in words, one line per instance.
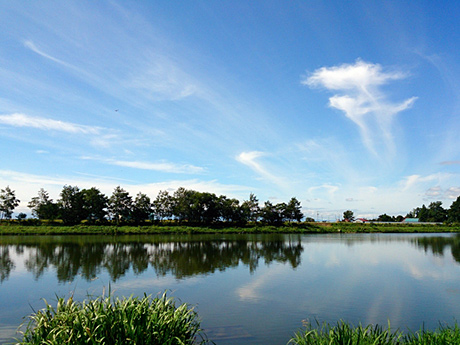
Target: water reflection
column 438, row 244
column 6, row 264
column 87, row 256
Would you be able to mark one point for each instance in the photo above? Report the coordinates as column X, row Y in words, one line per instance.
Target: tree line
column 184, row 205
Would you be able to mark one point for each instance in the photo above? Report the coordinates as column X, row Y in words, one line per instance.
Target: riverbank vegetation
column 345, row 333
column 157, row 320
column 112, row 320
column 191, row 207
column 46, row 228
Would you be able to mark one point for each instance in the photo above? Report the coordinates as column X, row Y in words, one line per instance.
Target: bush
column 114, row 321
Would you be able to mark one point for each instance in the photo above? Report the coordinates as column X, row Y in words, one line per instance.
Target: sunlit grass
column 109, row 320
column 345, row 334
column 166, row 228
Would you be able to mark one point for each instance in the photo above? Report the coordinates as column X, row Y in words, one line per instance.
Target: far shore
column 222, row 228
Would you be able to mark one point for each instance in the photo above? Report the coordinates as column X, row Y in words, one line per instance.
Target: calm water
column 248, row 289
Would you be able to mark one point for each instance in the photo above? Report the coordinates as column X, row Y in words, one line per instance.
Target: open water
column 247, row 289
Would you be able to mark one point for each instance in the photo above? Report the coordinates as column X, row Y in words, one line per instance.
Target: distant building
column 361, row 220
column 410, row 220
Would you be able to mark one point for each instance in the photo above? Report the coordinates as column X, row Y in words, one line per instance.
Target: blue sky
column 344, row 105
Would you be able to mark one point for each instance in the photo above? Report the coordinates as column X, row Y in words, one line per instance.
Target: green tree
column 384, row 218
column 422, row 213
column 348, row 216
column 251, row 208
column 142, row 208
column 273, row 214
column 436, row 213
column 186, row 205
column 163, row 205
column 72, row 205
column 454, row 211
column 120, row 205
column 293, row 210
column 43, row 207
column 8, row 202
column 95, row 204
column 230, row 210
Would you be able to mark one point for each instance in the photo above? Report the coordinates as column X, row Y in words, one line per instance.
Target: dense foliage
column 184, row 205
column 114, row 321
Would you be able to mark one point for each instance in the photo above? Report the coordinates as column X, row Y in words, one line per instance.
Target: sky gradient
column 341, row 105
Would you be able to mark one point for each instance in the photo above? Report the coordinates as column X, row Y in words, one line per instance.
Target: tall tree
column 436, row 213
column 8, row 202
column 272, row 214
column 422, row 213
column 454, row 211
column 294, row 210
column 229, row 209
column 95, row 204
column 120, row 205
column 142, row 208
column 72, row 205
column 43, row 207
column 183, row 204
column 163, row 205
column 252, row 208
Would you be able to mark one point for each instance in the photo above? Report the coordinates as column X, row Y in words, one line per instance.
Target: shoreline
column 293, row 228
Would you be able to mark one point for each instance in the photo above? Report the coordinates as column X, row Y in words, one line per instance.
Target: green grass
column 306, row 228
column 345, row 334
column 147, row 320
column 111, row 320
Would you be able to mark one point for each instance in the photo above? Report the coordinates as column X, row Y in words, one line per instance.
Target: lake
column 247, row 289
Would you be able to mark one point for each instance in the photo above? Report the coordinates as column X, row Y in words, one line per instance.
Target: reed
column 345, row 334
column 111, row 320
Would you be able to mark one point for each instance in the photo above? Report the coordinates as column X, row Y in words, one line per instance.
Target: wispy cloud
column 163, row 166
column 250, row 159
column 163, row 79
column 450, row 163
column 22, row 120
column 160, row 166
column 360, row 97
column 32, row 46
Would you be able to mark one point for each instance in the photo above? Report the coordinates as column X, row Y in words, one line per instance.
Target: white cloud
column 164, row 166
column 250, row 159
column 362, row 100
column 31, row 45
column 452, row 193
column 437, row 192
column 22, row 120
column 330, row 189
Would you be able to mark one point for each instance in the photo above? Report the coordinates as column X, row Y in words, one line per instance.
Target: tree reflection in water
column 182, row 257
column 6, row 264
column 438, row 244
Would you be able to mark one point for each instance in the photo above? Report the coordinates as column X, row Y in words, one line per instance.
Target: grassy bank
column 343, row 333
column 158, row 321
column 114, row 321
column 56, row 229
